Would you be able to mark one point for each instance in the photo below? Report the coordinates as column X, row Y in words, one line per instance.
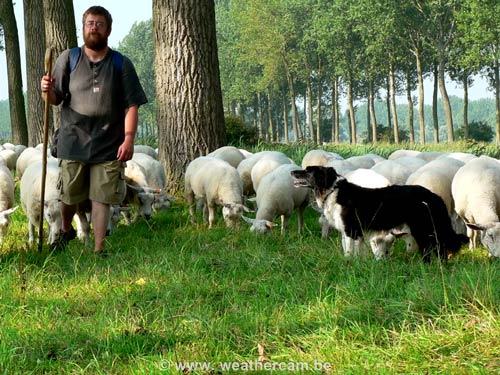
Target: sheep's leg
column 301, row 219
column 31, row 233
column 190, row 201
column 83, row 227
column 284, row 223
column 211, row 215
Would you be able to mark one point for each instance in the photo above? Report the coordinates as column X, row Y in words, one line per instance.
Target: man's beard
column 95, row 41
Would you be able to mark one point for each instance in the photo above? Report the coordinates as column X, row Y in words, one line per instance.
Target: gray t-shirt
column 94, row 97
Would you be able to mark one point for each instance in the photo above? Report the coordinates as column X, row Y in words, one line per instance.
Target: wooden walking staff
column 48, row 69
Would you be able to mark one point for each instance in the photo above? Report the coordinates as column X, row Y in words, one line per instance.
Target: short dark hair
column 100, row 11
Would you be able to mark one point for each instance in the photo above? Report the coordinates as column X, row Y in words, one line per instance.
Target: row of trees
column 273, row 52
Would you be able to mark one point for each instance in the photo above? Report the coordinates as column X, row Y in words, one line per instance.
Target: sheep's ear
column 253, row 199
column 399, row 234
column 125, row 209
column 248, row 220
column 246, row 209
column 227, row 205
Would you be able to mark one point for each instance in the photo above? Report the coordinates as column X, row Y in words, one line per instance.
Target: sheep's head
column 162, row 202
column 490, row 236
column 260, row 225
column 115, row 215
column 381, row 244
column 5, row 220
column 52, row 214
column 232, row 213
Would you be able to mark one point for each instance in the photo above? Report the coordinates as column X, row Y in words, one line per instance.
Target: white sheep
column 30, row 191
column 152, row 169
column 230, row 154
column 245, row 169
column 410, row 162
column 361, row 161
column 277, row 196
column 265, row 165
column 26, row 158
column 7, row 187
column 10, row 157
column 214, row 182
column 319, row 157
column 396, row 173
column 145, row 149
column 341, row 166
column 403, row 153
column 245, row 153
column 476, row 192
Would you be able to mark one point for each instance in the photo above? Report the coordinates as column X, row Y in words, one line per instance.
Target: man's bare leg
column 100, row 218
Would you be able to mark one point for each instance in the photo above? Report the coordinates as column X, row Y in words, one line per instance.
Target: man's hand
column 126, row 150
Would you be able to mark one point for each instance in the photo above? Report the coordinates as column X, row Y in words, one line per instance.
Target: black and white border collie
column 353, row 210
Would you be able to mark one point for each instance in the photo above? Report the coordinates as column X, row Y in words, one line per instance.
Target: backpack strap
column 74, row 56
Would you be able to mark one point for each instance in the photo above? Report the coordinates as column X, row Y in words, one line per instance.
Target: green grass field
column 173, row 297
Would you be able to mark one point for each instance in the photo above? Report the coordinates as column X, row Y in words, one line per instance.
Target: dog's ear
column 324, row 177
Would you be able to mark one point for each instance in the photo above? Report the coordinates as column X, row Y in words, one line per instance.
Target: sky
column 126, row 12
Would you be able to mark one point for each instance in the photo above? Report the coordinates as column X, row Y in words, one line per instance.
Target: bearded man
column 100, row 95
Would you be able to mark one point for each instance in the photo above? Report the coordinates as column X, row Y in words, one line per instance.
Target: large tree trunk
column 466, row 107
column 60, row 33
column 285, row 121
column 392, row 81
column 435, row 121
column 410, row 108
column 388, row 106
column 445, row 98
column 421, row 115
column 34, row 32
column 352, row 115
column 371, row 108
column 270, row 129
column 14, row 77
column 190, row 112
column 335, row 112
column 260, row 120
column 496, row 68
column 310, row 110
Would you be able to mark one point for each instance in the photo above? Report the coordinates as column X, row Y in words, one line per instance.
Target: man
column 100, row 95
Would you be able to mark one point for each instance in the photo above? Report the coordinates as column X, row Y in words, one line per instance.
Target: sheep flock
column 256, row 192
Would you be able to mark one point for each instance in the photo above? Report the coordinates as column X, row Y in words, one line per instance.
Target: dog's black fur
column 363, row 209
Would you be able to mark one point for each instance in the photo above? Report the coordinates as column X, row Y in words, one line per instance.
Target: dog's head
column 315, row 177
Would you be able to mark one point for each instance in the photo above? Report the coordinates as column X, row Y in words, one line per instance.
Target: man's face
column 96, row 32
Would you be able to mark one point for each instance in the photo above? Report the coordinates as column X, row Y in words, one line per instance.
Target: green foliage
column 238, row 133
column 479, row 131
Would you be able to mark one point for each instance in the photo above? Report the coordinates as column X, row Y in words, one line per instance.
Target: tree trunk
column 373, row 116
column 260, row 119
column 60, row 33
column 445, row 98
column 310, row 111
column 295, row 115
column 435, row 121
column 319, row 139
column 270, row 129
column 15, row 81
column 388, row 106
column 352, row 115
column 411, row 129
column 466, row 107
column 190, row 112
column 496, row 70
column 285, row 121
column 35, row 68
column 421, row 114
column 336, row 111
column 392, row 81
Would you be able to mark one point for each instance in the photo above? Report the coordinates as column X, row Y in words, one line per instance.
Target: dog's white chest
column 332, row 211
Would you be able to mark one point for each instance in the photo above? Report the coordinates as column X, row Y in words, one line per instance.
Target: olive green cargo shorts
column 102, row 182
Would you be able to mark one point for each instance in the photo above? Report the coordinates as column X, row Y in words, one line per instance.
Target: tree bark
column 409, row 99
column 18, row 124
column 285, row 121
column 466, row 107
column 445, row 98
column 34, row 31
column 373, row 116
column 392, row 81
column 190, row 111
column 352, row 115
column 310, row 122
column 270, row 130
column 421, row 114
column 435, row 121
column 496, row 69
column 260, row 118
column 60, row 34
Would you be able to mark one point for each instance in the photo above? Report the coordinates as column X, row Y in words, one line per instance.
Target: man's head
column 97, row 23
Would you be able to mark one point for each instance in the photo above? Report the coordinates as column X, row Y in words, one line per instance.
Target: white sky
column 126, row 12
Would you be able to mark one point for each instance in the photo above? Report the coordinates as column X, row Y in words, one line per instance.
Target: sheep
column 476, row 192
column 410, row 162
column 27, row 157
column 437, row 176
column 245, row 153
column 214, row 182
column 319, row 157
column 342, row 166
column 228, row 153
column 30, row 191
column 277, row 196
column 10, row 157
column 396, row 173
column 152, row 169
column 145, row 149
column 266, row 165
column 462, row 156
column 403, row 153
column 115, row 214
column 245, row 169
column 7, row 187
column 361, row 161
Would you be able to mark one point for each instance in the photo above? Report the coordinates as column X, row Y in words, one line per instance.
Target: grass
column 172, row 292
